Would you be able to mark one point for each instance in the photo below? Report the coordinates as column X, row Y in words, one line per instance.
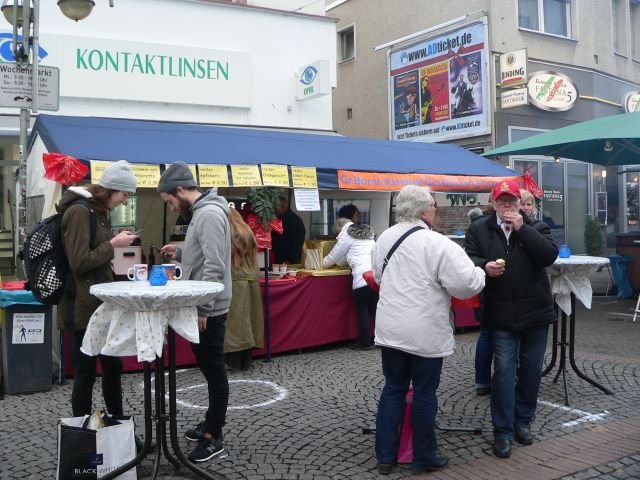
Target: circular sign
column 631, row 102
column 551, row 91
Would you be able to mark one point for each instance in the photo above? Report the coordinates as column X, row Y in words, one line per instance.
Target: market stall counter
column 306, row 311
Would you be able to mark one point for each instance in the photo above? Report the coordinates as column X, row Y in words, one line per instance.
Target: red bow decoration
column 262, row 237
column 531, row 185
column 455, row 57
column 63, row 169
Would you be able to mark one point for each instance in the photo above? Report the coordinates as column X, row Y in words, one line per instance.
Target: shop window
column 548, row 16
column 347, row 44
column 125, row 216
column 634, row 14
column 619, row 26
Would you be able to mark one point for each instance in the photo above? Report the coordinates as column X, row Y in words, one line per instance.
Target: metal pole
column 36, row 60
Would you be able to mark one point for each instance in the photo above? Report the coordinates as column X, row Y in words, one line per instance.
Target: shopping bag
column 405, row 447
column 313, row 259
column 86, row 454
column 371, row 281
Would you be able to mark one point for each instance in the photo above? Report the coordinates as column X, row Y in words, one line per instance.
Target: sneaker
column 206, row 450
column 196, row 433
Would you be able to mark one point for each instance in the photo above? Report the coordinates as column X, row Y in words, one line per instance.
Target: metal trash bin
column 620, row 266
column 26, row 342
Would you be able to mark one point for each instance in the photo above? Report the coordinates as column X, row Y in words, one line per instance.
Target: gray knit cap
column 177, row 175
column 119, row 176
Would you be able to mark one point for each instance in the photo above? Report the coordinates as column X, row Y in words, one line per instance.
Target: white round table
column 570, row 280
column 134, row 317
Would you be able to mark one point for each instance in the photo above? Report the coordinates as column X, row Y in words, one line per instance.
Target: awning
column 154, row 142
column 612, row 140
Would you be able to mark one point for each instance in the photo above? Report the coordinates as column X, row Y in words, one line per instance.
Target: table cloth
column 571, row 275
column 134, row 317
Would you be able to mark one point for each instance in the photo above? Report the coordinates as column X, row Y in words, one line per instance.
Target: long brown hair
column 243, row 245
column 101, row 196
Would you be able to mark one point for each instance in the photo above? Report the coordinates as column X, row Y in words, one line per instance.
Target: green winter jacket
column 88, row 265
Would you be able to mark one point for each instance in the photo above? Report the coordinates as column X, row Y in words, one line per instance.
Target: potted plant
column 593, row 241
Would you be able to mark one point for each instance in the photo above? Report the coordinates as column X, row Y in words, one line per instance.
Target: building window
column 347, row 44
column 548, row 16
column 619, row 26
column 634, row 14
column 349, row 113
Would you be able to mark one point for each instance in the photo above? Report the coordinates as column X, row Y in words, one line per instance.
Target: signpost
column 16, row 86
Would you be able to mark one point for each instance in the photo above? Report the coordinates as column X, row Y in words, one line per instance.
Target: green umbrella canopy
column 613, row 140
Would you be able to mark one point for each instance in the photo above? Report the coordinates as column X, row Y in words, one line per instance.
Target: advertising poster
column 434, row 95
column 405, row 100
column 450, row 75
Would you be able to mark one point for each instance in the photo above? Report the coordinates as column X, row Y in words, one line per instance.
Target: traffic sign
column 16, row 86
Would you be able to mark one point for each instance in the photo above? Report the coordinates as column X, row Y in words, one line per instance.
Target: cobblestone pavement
column 302, row 415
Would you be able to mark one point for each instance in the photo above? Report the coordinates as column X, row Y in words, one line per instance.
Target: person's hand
column 169, row 251
column 494, row 269
column 514, row 218
column 123, row 239
column 202, row 323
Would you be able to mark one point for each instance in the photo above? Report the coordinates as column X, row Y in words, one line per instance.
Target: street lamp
column 25, row 17
column 76, row 9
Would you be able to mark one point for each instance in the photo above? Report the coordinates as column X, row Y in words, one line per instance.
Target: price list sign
column 304, row 177
column 213, row 175
column 246, row 176
column 275, row 175
column 16, row 86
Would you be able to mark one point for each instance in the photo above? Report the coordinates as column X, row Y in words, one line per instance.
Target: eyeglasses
column 435, row 205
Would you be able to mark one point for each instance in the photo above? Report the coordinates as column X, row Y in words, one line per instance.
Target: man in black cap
column 205, row 255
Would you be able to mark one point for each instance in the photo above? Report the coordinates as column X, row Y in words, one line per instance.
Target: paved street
column 302, row 415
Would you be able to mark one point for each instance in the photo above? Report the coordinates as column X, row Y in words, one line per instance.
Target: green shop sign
column 147, row 64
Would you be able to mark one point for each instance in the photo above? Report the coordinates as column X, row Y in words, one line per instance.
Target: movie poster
column 405, row 101
column 439, row 87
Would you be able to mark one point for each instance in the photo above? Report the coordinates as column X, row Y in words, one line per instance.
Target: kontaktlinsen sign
column 137, row 71
column 16, row 86
column 552, row 91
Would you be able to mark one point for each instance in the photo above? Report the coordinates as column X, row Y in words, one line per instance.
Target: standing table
column 569, row 279
column 133, row 320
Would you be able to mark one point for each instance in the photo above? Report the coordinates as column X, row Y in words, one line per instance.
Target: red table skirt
column 305, row 312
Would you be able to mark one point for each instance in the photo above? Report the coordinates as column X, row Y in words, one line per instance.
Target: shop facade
column 435, row 76
column 212, row 65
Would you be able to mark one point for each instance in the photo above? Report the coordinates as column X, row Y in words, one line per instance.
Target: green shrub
column 593, row 241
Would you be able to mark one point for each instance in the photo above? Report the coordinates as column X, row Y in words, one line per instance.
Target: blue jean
column 400, row 369
column 484, row 357
column 514, row 404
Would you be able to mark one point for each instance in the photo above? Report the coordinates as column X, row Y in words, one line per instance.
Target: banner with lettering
column 392, row 182
column 440, row 87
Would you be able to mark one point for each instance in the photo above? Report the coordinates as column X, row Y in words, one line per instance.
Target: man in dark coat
column 514, row 252
column 287, row 247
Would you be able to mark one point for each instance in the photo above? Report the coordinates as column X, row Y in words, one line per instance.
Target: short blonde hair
column 526, row 195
